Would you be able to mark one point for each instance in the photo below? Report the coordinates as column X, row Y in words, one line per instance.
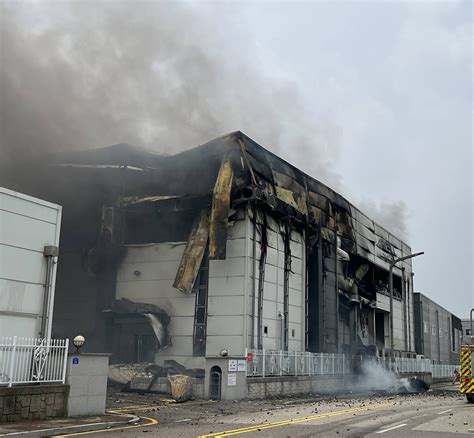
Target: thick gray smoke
column 391, row 215
column 160, row 75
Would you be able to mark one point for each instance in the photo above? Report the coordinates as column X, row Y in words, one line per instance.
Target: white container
column 27, row 226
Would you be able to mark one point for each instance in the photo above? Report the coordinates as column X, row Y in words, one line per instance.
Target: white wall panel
column 16, row 296
column 22, row 265
column 19, row 326
column 229, row 305
column 225, row 325
column 26, row 232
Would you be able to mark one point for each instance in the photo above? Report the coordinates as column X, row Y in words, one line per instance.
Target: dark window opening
column 148, row 224
column 265, row 330
column 200, row 312
column 344, row 310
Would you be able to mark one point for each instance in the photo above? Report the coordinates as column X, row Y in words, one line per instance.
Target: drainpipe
column 261, row 282
column 321, row 297
column 254, row 271
column 336, row 258
column 286, row 286
column 49, row 252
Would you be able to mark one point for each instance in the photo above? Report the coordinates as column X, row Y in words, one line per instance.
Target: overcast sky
column 373, row 98
column 396, row 78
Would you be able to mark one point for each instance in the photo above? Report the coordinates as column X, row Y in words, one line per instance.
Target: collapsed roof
column 261, row 176
column 226, row 171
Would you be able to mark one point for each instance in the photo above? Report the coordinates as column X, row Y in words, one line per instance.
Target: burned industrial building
column 225, row 246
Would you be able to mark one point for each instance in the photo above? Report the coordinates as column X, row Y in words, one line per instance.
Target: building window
column 425, row 327
column 200, row 310
column 433, row 330
column 468, row 332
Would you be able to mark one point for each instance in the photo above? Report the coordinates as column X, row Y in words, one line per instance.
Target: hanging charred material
column 156, row 316
column 193, row 254
column 220, row 212
column 261, row 280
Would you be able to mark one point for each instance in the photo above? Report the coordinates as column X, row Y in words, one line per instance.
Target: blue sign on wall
column 75, row 360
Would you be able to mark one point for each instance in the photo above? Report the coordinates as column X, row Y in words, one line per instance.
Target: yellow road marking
column 132, row 408
column 127, row 408
column 264, row 426
column 145, row 407
column 152, row 422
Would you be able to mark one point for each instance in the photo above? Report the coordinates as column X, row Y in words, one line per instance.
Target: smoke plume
column 390, row 215
column 165, row 76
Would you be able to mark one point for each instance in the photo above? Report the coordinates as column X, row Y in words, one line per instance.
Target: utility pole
column 390, row 290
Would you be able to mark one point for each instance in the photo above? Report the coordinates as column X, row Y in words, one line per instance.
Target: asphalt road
column 433, row 414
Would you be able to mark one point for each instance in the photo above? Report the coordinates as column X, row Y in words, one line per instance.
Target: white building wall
column 156, row 265
column 383, row 303
column 27, row 225
column 273, row 288
column 226, row 294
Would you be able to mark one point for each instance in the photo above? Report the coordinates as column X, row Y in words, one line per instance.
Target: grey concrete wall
column 434, row 334
column 235, row 391
column 258, row 387
column 32, row 402
column 87, row 378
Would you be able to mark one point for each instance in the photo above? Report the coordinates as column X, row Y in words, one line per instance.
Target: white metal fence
column 296, row 363
column 32, row 360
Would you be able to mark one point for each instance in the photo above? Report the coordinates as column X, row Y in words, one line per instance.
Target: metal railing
column 32, row 360
column 262, row 363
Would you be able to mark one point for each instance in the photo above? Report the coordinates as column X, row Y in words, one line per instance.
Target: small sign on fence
column 75, row 361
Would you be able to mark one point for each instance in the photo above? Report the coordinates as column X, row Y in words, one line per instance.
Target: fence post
column 321, row 364
column 12, row 362
column 296, row 364
column 66, row 351
column 343, row 365
column 263, row 363
column 281, row 362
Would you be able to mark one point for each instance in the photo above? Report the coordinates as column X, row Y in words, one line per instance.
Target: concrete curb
column 74, row 429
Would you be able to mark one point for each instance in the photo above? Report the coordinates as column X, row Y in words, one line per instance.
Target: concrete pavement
column 433, row 414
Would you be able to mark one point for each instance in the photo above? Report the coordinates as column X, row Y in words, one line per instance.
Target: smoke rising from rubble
column 161, row 75
column 374, row 377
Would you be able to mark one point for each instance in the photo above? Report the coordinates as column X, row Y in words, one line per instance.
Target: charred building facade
column 224, row 246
